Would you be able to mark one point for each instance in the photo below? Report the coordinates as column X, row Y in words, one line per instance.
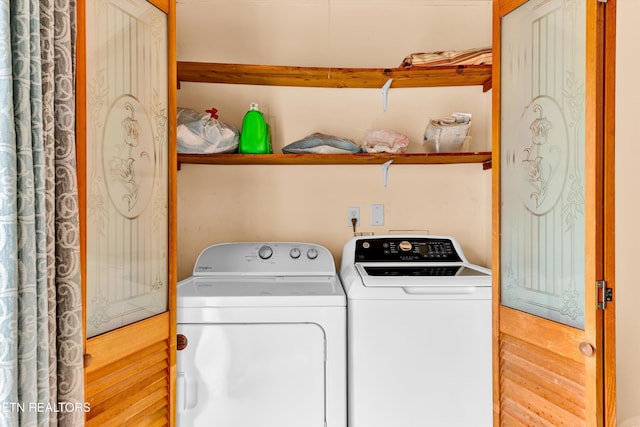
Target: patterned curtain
column 41, row 371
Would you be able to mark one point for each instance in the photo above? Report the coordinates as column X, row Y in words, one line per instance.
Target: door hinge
column 605, row 294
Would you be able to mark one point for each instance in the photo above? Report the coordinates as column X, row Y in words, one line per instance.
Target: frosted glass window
column 127, row 148
column 542, row 141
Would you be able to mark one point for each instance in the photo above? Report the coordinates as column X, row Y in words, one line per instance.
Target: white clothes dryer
column 419, row 333
column 262, row 338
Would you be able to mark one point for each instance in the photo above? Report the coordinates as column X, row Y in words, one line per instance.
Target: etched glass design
column 542, row 242
column 127, row 165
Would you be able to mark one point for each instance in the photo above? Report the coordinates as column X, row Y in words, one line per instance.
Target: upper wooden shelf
column 337, row 159
column 276, row 75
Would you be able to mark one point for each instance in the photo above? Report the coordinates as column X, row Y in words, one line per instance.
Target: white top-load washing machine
column 262, row 338
column 419, row 333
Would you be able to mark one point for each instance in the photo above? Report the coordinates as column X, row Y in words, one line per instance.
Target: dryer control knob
column 295, row 253
column 405, row 245
column 312, row 254
column 265, row 252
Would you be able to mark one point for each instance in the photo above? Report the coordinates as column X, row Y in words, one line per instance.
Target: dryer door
column 252, row 374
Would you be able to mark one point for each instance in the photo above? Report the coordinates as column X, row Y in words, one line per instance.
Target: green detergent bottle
column 255, row 133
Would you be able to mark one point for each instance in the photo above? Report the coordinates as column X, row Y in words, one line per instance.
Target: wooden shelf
column 276, row 75
column 273, row 75
column 336, row 159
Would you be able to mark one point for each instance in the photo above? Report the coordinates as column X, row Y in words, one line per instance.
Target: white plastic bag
column 320, row 143
column 203, row 133
column 384, row 141
column 448, row 134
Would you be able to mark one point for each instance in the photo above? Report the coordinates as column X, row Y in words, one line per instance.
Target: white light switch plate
column 377, row 214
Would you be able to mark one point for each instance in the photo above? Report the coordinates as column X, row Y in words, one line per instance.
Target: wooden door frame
column 172, row 78
column 599, row 42
column 609, row 245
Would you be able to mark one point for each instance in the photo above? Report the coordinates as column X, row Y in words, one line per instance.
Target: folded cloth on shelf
column 319, row 143
column 384, row 141
column 476, row 56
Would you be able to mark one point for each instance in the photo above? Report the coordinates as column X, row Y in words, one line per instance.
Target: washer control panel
column 265, row 257
column 399, row 249
column 266, row 252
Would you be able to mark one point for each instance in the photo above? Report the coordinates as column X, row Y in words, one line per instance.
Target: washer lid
column 274, row 291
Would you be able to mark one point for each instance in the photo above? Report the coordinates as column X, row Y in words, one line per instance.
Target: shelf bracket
column 385, row 171
column 385, row 94
column 487, row 85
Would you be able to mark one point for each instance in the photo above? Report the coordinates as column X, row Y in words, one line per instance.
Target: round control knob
column 312, row 254
column 405, row 246
column 295, row 253
column 265, row 252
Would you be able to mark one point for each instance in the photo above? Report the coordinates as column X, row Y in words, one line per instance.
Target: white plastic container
column 448, row 134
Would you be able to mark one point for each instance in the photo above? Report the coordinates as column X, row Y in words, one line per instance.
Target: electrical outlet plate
column 353, row 212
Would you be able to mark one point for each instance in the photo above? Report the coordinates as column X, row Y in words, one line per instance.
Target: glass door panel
column 542, row 107
column 127, row 165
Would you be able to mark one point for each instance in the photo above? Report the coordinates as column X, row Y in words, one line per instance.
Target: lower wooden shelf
column 337, row 159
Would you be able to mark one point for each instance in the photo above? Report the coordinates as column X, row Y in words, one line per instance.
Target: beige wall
column 309, row 203
column 627, row 207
